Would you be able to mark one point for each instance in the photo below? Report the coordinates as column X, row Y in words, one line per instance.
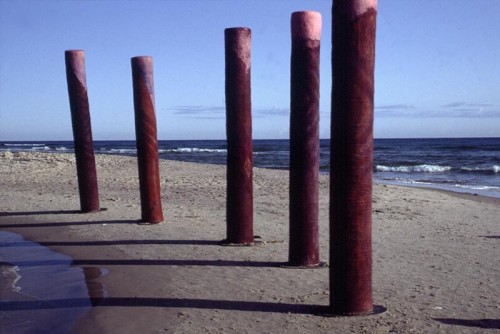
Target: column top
column 306, row 24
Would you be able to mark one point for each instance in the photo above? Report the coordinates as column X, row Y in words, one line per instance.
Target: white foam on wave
column 413, row 169
column 123, row 150
column 26, row 147
column 493, row 169
column 195, row 150
column 403, row 181
column 477, row 187
column 490, row 191
column 272, row 153
column 23, row 145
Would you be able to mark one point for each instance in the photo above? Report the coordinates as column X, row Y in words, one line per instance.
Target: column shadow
column 122, row 242
column 230, row 305
column 481, row 323
column 34, row 213
column 185, row 263
column 59, row 224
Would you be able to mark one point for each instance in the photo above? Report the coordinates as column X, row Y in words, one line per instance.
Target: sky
column 437, row 68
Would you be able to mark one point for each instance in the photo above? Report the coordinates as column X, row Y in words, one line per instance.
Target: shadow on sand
column 35, row 213
column 103, row 263
column 126, row 242
column 60, row 224
column 167, row 302
column 481, row 323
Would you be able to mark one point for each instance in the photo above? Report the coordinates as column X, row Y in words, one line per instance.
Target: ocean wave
column 450, row 185
column 41, row 148
column 24, row 144
column 284, row 153
column 194, row 150
column 478, row 187
column 413, row 169
column 123, row 150
column 25, row 147
column 418, row 182
column 493, row 169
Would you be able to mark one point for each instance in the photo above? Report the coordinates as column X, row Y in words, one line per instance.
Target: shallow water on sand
column 40, row 292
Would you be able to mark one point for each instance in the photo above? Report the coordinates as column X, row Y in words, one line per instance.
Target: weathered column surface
column 146, row 139
column 239, row 205
column 82, row 130
column 304, row 139
column 352, row 156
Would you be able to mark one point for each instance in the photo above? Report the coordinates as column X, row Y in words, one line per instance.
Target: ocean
column 470, row 165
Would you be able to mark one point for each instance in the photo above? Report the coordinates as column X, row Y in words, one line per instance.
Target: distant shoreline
column 42, row 148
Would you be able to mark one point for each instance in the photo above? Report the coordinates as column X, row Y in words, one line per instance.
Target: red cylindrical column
column 239, row 205
column 304, row 139
column 146, row 139
column 353, row 60
column 82, row 130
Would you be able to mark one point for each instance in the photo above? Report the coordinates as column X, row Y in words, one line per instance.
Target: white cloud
column 450, row 110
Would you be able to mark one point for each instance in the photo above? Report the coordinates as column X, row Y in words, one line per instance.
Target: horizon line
column 223, row 139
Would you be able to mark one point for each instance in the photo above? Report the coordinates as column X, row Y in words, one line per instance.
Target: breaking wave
column 195, row 150
column 413, row 169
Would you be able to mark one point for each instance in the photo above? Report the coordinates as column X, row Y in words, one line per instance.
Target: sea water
column 40, row 292
column 469, row 165
column 458, row 164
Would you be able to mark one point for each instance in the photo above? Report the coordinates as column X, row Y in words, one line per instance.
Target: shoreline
column 435, row 255
column 35, row 290
column 465, row 192
column 475, row 197
column 459, row 193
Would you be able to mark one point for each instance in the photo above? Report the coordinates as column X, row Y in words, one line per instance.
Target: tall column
column 239, row 205
column 146, row 139
column 304, row 139
column 352, row 156
column 82, row 130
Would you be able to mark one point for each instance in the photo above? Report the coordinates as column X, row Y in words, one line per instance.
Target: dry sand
column 436, row 256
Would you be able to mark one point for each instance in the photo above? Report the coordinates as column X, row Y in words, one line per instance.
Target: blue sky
column 437, row 66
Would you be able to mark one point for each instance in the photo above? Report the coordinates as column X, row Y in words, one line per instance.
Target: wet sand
column 40, row 291
column 436, row 255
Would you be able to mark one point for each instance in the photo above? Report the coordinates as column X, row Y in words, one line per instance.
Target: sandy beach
column 436, row 255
